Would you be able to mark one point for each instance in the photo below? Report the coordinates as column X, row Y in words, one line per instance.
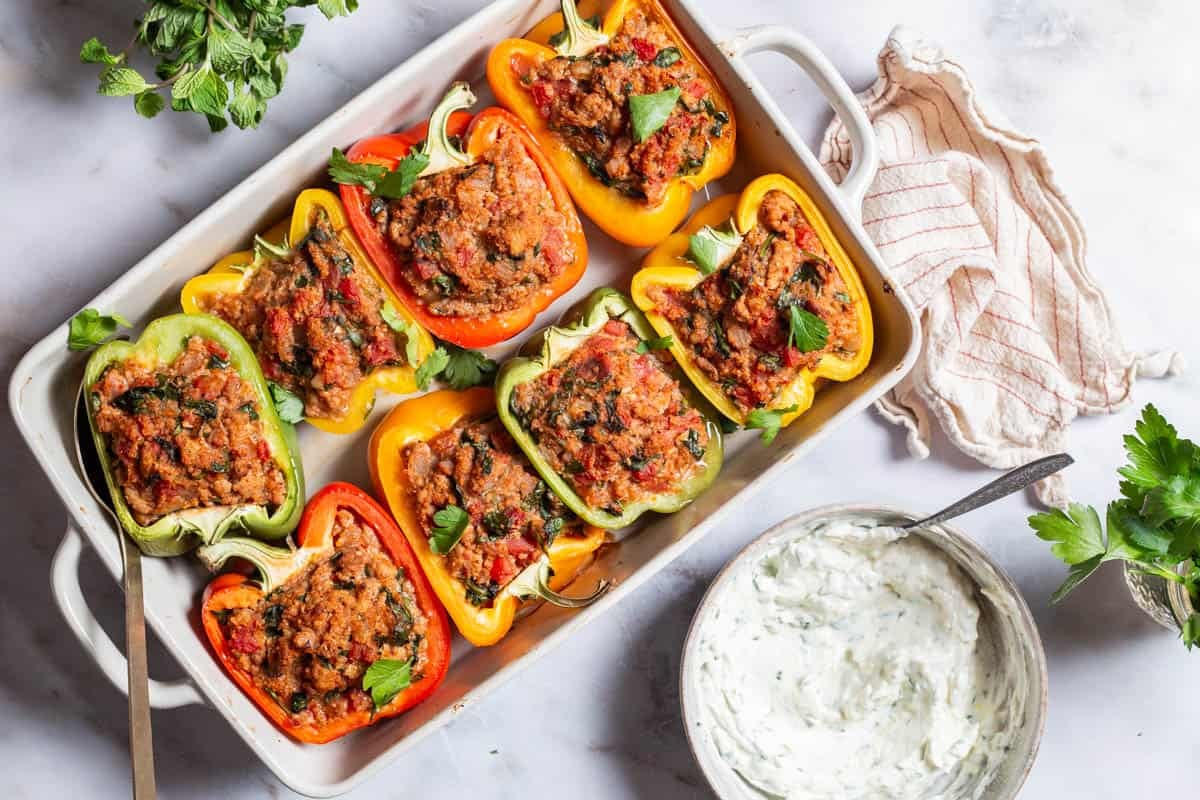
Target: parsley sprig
column 216, row 57
column 1154, row 526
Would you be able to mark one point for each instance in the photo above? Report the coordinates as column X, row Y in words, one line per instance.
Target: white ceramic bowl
column 1012, row 635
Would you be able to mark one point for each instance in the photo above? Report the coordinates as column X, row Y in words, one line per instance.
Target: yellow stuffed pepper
column 631, row 118
column 487, row 531
column 327, row 330
column 760, row 303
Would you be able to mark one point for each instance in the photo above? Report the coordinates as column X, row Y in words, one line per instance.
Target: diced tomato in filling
column 315, row 321
column 511, row 513
column 613, row 422
column 308, row 643
column 736, row 323
column 645, row 51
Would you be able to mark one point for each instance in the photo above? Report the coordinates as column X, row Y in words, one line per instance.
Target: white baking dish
column 44, row 383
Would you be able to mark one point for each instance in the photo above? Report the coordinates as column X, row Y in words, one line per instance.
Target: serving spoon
column 141, row 742
column 1006, row 484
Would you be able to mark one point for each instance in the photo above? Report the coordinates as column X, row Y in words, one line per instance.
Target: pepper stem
column 710, row 248
column 579, row 38
column 263, row 248
column 534, row 581
column 275, row 564
column 441, row 152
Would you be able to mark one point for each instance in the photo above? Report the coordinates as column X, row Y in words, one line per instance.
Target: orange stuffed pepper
column 489, row 533
column 629, row 115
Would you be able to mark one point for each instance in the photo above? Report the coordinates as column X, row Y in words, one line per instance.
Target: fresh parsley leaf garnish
column 649, row 112
column 1153, row 527
column 467, row 368
column 352, row 173
column 215, row 58
column 399, row 182
column 449, row 522
column 288, row 406
column 376, row 178
column 89, row 328
column 431, row 367
column 386, row 678
column 806, row 331
column 657, row 343
column 769, row 420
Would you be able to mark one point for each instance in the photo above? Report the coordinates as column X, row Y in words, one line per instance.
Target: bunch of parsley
column 216, row 57
column 1154, row 526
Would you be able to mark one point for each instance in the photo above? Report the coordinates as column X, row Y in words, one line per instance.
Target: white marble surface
column 89, row 188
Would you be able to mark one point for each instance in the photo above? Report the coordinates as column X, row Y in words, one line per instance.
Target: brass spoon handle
column 141, row 742
column 1003, row 486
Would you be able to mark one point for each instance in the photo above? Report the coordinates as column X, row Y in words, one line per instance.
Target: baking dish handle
column 64, row 575
column 779, row 39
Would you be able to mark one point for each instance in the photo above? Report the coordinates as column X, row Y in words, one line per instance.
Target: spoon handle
column 1003, row 486
column 141, row 743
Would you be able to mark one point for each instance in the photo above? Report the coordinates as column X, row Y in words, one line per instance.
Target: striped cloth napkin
column 1019, row 338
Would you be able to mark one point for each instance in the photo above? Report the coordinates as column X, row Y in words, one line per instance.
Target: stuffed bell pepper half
column 760, row 303
column 629, row 115
column 606, row 419
column 338, row 632
column 466, row 219
column 489, row 532
column 326, row 328
column 189, row 439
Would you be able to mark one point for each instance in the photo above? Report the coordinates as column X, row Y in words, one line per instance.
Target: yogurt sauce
column 845, row 662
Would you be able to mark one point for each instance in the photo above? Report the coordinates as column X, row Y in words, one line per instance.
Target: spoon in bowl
column 1006, row 484
column 141, row 743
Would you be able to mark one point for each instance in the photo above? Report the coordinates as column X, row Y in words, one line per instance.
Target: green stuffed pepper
column 189, row 438
column 606, row 418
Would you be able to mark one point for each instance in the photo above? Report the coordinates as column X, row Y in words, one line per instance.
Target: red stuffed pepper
column 340, row 631
column 466, row 219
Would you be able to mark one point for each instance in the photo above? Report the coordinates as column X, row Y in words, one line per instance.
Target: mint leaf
column 806, row 331
column 449, row 523
column 121, row 82
column 246, row 110
column 431, row 367
column 288, row 406
column 206, row 92
column 386, row 678
column 667, row 56
column 148, row 103
column 94, row 52
column 336, row 8
column 769, row 420
column 228, row 49
column 657, row 343
column 400, row 181
column 89, row 328
column 649, row 112
column 467, row 368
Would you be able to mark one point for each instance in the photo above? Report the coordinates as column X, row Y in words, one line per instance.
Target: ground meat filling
column 480, row 239
column 736, row 321
column 586, row 101
column 613, row 422
column 315, row 320
column 308, row 643
column 185, row 435
column 477, row 467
